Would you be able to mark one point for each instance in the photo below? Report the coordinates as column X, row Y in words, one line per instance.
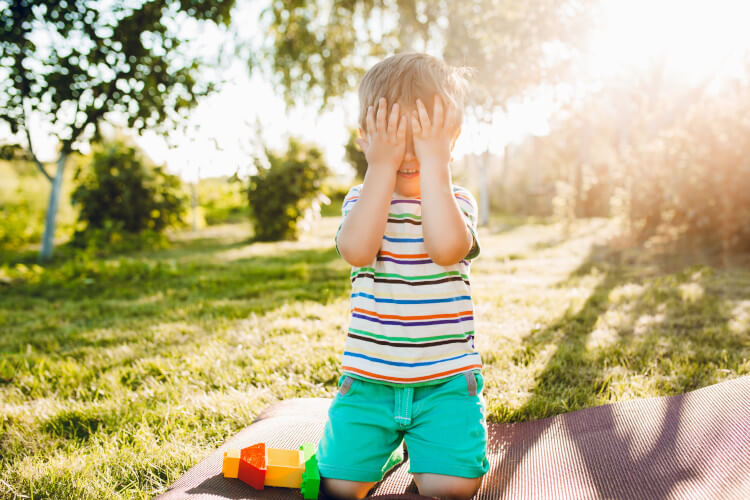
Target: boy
column 410, row 370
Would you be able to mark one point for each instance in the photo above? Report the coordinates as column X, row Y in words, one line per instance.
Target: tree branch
column 75, row 130
column 31, row 148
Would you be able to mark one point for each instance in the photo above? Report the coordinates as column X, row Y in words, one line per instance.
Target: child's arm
column 447, row 237
column 361, row 233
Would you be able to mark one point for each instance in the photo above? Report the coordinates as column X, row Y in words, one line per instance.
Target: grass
column 117, row 375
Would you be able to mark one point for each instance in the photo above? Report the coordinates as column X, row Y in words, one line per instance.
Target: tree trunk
column 484, row 190
column 583, row 160
column 48, row 239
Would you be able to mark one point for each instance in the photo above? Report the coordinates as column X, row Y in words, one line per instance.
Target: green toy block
column 311, row 477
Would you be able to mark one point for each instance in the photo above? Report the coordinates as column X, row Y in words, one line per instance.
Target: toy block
column 231, row 464
column 285, row 468
column 253, row 467
column 311, row 477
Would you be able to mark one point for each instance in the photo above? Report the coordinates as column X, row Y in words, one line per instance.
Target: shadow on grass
column 194, row 247
column 55, row 308
column 684, row 343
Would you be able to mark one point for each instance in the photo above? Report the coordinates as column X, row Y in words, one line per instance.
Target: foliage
column 15, row 227
column 284, row 191
column 320, row 49
column 70, row 63
column 121, row 192
column 95, row 59
column 354, row 155
column 221, row 200
column 335, row 189
column 667, row 159
column 690, row 185
column 23, row 197
column 137, row 368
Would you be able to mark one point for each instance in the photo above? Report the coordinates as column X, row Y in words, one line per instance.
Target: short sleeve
column 468, row 206
column 349, row 201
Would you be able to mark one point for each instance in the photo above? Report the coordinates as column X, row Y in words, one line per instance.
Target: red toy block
column 253, row 465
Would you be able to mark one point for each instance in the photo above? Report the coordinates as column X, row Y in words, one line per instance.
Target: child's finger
column 362, row 143
column 393, row 121
column 401, row 132
column 437, row 113
column 451, row 118
column 370, row 121
column 380, row 115
column 424, row 118
column 416, row 128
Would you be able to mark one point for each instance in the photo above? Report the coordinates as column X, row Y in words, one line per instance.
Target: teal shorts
column 443, row 426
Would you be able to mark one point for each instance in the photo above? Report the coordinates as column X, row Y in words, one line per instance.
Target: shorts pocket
column 346, row 385
column 474, row 383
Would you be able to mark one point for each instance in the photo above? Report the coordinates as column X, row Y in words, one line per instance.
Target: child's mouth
column 408, row 173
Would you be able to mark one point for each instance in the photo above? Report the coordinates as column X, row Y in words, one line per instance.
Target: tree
column 71, row 62
column 319, row 49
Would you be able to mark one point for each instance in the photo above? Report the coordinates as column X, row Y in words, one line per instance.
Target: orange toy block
column 253, row 465
column 285, row 468
column 231, row 464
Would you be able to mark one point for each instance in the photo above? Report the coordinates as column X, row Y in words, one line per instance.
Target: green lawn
column 117, row 375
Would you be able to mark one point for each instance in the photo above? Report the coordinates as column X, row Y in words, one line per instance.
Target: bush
column 121, row 193
column 691, row 186
column 335, row 190
column 221, row 199
column 16, row 228
column 354, row 156
column 286, row 190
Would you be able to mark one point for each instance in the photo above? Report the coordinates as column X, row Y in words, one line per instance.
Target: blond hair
column 405, row 77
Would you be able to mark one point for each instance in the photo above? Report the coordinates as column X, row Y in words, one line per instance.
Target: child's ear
column 455, row 138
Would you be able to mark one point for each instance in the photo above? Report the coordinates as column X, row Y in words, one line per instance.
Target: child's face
column 407, row 178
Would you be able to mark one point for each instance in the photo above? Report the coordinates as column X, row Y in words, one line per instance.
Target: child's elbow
column 448, row 255
column 355, row 257
column 357, row 261
column 445, row 259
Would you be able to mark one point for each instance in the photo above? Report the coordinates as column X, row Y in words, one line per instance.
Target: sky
column 695, row 38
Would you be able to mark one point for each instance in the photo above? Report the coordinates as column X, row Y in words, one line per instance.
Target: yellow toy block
column 285, row 468
column 231, row 463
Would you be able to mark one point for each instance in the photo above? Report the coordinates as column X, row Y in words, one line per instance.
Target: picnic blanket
column 693, row 445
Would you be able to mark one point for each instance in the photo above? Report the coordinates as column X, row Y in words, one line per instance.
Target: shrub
column 354, row 156
column 336, row 190
column 691, row 186
column 285, row 190
column 221, row 199
column 121, row 191
column 16, row 227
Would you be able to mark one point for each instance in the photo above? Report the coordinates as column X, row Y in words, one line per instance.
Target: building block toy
column 259, row 466
column 231, row 463
column 253, row 467
column 311, row 476
column 285, row 468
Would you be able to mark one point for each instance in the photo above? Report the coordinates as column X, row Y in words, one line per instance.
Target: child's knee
column 342, row 489
column 447, row 487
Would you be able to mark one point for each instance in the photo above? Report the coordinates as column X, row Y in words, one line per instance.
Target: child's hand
column 433, row 139
column 385, row 143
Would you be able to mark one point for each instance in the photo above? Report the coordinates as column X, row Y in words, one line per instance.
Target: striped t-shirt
column 412, row 321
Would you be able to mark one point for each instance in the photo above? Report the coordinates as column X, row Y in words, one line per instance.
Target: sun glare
column 692, row 39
